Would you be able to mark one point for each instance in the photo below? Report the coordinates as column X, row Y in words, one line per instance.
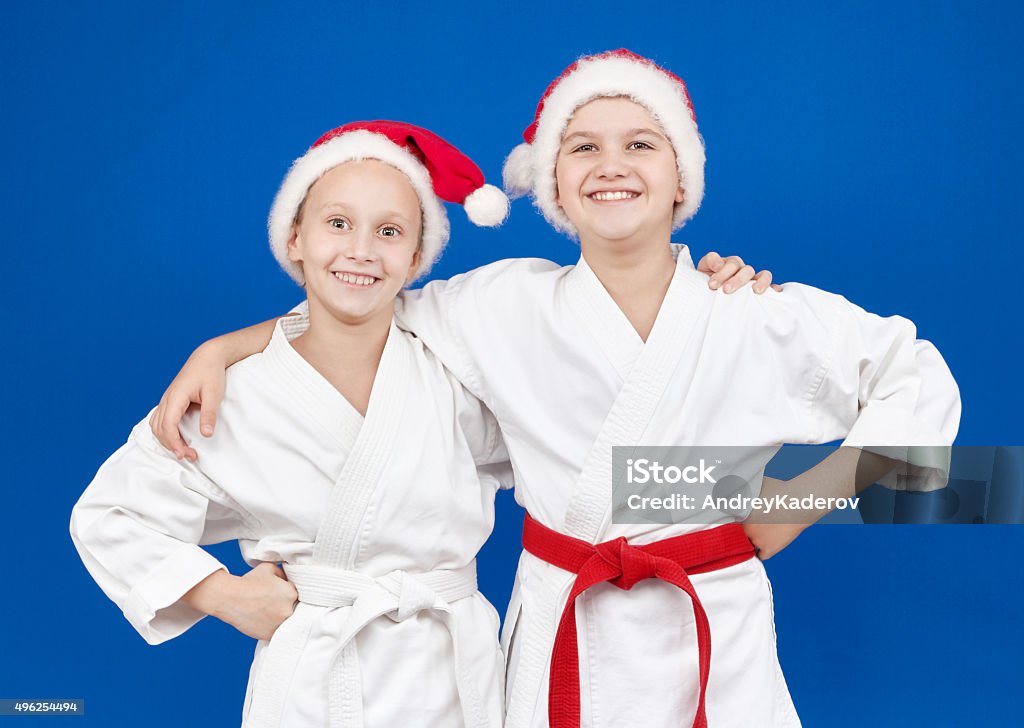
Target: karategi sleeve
column 458, row 318
column 138, row 526
column 882, row 389
column 484, row 437
column 437, row 315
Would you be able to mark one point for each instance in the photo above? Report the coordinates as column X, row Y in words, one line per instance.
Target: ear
column 414, row 266
column 680, row 194
column 294, row 254
column 558, row 193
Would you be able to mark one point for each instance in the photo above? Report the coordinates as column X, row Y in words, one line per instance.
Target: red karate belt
column 618, row 562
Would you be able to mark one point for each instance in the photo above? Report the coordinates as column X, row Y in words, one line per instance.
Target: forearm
column 212, row 595
column 237, row 345
column 843, row 474
column 255, row 604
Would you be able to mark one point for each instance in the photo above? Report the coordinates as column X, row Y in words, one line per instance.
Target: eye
column 339, row 223
column 389, row 231
column 640, row 145
column 584, row 148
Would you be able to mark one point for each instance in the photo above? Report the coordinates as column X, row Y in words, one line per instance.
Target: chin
column 349, row 311
column 351, row 317
column 614, row 233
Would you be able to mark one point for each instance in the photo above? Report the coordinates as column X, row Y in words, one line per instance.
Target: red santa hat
column 437, row 170
column 530, row 168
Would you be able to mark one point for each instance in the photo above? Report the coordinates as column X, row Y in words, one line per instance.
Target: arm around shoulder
column 458, row 318
column 201, row 381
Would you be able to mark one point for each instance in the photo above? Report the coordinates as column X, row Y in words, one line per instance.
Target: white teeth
column 608, row 196
column 355, row 280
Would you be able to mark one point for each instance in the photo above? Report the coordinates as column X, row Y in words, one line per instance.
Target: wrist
column 213, row 594
column 213, row 349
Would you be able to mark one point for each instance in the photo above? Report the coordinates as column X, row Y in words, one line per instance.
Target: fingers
column 175, row 412
column 730, row 274
column 210, row 399
column 761, row 549
column 762, row 280
column 759, row 552
column 275, row 570
column 710, row 263
column 742, row 277
column 732, row 265
column 755, row 535
column 168, row 415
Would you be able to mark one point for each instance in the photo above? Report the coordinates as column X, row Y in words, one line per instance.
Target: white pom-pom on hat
column 486, row 206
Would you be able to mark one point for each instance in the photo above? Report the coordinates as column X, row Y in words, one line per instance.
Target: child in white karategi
column 611, row 624
column 346, row 453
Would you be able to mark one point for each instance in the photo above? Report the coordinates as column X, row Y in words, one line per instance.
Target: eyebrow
column 395, row 215
column 585, row 134
column 645, row 130
column 630, row 132
column 385, row 213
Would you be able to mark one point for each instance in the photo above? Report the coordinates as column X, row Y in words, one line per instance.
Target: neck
column 333, row 345
column 635, row 274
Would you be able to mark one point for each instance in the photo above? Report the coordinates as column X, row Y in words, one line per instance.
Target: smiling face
column 616, row 174
column 357, row 239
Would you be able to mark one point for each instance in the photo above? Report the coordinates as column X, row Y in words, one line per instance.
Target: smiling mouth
column 354, row 280
column 615, row 196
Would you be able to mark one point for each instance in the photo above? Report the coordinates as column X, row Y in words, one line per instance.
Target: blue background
column 872, row 149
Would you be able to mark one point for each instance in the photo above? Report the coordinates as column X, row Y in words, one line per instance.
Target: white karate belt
column 397, row 595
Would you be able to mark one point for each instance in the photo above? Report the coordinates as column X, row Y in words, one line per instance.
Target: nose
column 361, row 246
column 611, row 163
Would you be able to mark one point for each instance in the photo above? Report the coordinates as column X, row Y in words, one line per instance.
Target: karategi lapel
column 313, row 395
column 603, row 319
column 643, row 385
column 368, row 440
column 337, row 541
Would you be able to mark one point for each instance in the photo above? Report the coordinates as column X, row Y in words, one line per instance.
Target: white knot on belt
column 397, row 595
column 413, row 595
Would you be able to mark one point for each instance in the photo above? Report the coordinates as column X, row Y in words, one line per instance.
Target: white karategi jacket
column 377, row 521
column 547, row 349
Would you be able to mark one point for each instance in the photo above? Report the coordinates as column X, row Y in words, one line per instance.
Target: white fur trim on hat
column 354, row 145
column 517, row 174
column 486, row 206
column 531, row 167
